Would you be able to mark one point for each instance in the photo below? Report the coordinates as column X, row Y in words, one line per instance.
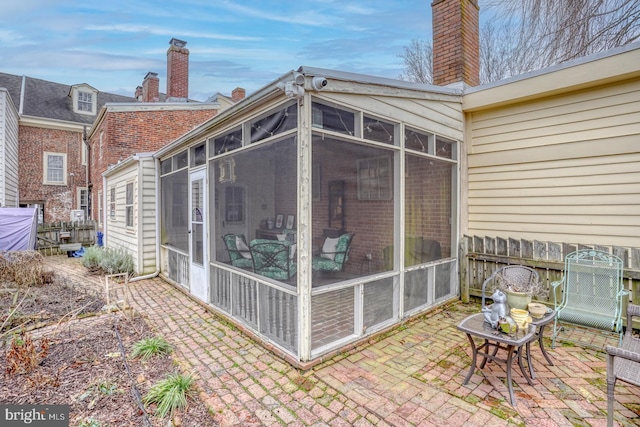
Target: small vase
column 519, row 300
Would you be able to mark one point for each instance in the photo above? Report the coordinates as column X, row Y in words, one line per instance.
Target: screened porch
column 313, row 222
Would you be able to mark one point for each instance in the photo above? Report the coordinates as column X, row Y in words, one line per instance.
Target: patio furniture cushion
column 272, row 258
column 236, row 244
column 333, row 258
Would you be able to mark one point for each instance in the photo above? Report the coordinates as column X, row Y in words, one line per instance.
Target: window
column 128, row 205
column 83, row 200
column 55, row 168
column 83, row 150
column 112, row 202
column 100, row 207
column 234, row 204
column 85, row 101
column 374, row 178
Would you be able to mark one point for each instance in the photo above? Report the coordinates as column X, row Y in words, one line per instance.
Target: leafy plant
column 170, row 393
column 115, row 261
column 90, row 422
column 149, row 347
column 92, row 256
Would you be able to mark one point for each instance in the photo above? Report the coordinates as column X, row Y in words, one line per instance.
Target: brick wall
column 128, row 133
column 177, row 72
column 58, row 199
column 456, row 46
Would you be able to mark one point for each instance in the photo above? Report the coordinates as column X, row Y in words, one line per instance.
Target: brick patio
column 409, row 377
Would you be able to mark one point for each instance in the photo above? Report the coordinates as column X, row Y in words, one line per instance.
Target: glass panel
column 181, row 160
column 197, row 216
column 333, row 118
column 165, row 166
column 443, row 281
column 281, row 121
column 378, row 303
column 227, row 142
column 199, row 155
column 175, row 210
column 419, row 141
column 444, row 147
column 416, row 288
column 369, row 222
column 378, row 130
column 331, row 317
column 279, row 317
column 251, row 188
column 428, row 204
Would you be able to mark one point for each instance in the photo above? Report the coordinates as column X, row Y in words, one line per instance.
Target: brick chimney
column 456, row 45
column 177, row 71
column 138, row 95
column 150, row 88
column 237, row 94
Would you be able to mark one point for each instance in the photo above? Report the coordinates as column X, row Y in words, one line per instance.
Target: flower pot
column 518, row 300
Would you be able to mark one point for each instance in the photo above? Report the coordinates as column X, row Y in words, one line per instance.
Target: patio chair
column 591, row 292
column 623, row 363
column 334, row 254
column 519, row 275
column 239, row 252
column 273, row 258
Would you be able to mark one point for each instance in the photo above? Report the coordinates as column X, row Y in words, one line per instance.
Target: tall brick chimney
column 456, row 45
column 237, row 94
column 150, row 88
column 177, row 71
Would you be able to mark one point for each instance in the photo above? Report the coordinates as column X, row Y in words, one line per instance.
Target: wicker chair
column 623, row 363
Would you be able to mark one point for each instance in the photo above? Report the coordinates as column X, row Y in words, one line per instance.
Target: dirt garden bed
column 79, row 350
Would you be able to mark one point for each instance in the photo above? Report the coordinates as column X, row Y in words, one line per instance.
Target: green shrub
column 149, row 347
column 170, row 393
column 91, row 257
column 116, row 261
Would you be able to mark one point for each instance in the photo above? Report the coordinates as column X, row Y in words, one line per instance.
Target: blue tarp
column 18, row 229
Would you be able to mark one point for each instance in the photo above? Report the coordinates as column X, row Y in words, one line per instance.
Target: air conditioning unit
column 77, row 215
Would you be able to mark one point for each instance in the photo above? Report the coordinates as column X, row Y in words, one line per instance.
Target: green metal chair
column 273, row 258
column 333, row 258
column 591, row 292
column 239, row 252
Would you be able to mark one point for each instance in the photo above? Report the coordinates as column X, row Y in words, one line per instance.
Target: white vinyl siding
column 8, row 152
column 564, row 168
column 137, row 236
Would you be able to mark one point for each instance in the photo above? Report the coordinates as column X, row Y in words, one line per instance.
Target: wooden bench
column 590, row 292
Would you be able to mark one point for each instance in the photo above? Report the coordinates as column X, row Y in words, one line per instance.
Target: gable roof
column 50, row 100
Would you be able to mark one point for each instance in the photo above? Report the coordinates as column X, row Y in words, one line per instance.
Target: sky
column 112, row 44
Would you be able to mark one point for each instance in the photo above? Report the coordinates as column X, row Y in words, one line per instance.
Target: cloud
column 164, row 31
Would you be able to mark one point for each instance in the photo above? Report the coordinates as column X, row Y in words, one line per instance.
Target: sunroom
column 318, row 211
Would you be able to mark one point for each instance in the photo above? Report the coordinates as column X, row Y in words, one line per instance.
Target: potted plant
column 520, row 292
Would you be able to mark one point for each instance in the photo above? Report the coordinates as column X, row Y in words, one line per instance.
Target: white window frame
column 45, row 168
column 128, row 204
column 100, row 213
column 83, row 206
column 85, row 100
column 376, row 191
column 83, row 153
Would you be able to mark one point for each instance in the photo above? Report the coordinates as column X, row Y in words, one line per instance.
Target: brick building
column 49, row 169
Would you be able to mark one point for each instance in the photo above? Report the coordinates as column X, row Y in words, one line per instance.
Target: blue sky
column 112, row 44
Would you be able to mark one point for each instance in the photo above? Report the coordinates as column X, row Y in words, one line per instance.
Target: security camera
column 318, row 83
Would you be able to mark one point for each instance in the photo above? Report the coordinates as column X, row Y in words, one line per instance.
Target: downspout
column 155, row 273
column 104, row 210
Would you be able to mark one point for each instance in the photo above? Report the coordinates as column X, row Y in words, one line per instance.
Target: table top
column 476, row 326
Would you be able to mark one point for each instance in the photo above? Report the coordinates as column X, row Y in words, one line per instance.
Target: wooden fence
column 481, row 256
column 51, row 236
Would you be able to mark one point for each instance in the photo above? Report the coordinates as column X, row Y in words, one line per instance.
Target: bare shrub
column 24, row 356
column 23, row 268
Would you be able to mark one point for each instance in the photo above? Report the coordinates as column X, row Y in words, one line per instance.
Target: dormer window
column 84, row 99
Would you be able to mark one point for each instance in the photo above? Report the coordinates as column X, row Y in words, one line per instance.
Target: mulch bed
column 83, row 365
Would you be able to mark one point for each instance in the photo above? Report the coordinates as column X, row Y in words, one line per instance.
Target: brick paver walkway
column 410, row 377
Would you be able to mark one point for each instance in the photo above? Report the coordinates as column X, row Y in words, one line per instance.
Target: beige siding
column 118, row 235
column 563, row 168
column 147, row 215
